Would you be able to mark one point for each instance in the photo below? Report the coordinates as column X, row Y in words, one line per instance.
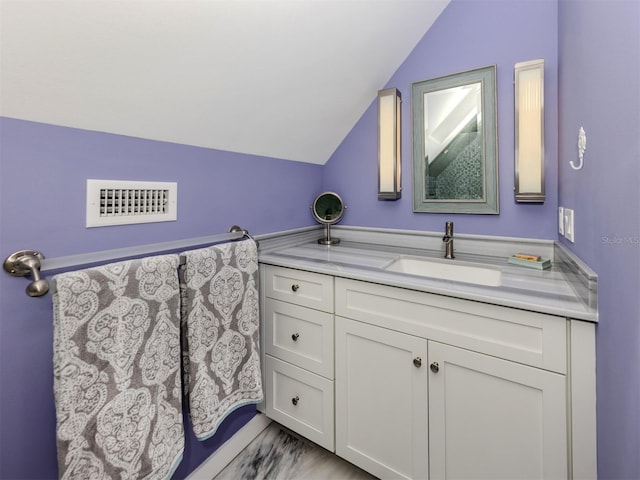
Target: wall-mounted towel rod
column 32, row 262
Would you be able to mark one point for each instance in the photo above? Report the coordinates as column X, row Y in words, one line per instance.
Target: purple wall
column 43, row 170
column 468, row 35
column 597, row 45
column 599, row 56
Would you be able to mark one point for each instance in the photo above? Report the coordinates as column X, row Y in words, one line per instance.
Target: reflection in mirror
column 328, row 208
column 453, row 141
column 455, row 161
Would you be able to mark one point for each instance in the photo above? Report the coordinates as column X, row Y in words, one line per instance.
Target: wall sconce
column 529, row 135
column 389, row 157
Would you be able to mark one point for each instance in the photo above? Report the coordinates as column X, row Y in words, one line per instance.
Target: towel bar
column 32, row 262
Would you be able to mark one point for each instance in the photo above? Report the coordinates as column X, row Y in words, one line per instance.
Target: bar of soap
column 527, row 256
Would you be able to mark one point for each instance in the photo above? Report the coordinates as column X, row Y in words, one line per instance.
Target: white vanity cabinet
column 434, row 387
column 298, row 339
column 429, row 386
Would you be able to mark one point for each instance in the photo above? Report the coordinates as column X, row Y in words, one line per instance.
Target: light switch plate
column 561, row 220
column 569, row 231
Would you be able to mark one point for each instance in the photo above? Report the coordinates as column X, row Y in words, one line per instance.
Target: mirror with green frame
column 455, row 164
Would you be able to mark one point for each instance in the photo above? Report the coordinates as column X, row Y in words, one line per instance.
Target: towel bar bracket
column 245, row 233
column 27, row 262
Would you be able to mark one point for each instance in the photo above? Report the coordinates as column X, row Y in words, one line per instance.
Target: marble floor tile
column 277, row 454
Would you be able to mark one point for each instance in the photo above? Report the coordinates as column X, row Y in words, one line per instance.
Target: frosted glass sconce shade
column 389, row 153
column 529, row 134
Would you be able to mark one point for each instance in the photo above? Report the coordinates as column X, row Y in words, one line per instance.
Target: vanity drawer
column 525, row 337
column 301, row 401
column 300, row 335
column 308, row 289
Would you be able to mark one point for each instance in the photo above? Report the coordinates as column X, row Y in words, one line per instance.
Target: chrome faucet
column 448, row 240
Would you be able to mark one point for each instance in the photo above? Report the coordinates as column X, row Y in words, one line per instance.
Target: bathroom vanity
column 411, row 376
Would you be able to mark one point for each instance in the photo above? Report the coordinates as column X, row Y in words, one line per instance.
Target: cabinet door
column 494, row 419
column 381, row 400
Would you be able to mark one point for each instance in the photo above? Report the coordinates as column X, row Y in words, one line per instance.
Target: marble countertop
column 548, row 291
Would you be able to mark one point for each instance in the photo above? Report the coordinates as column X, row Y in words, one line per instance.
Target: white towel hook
column 582, row 146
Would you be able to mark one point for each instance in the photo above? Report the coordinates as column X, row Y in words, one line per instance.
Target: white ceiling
column 278, row 78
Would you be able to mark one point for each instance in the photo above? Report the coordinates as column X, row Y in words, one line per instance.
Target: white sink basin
column 447, row 270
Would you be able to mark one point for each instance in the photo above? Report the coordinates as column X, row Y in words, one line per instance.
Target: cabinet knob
column 295, row 287
column 435, row 368
column 295, row 336
column 295, row 400
column 417, row 362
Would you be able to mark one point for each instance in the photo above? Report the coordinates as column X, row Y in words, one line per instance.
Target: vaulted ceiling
column 277, row 78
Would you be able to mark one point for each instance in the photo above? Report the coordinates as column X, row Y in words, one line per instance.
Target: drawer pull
column 435, row 368
column 295, row 336
column 295, row 400
column 417, row 362
column 295, row 287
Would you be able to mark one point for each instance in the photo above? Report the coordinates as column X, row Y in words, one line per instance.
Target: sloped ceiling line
column 276, row 78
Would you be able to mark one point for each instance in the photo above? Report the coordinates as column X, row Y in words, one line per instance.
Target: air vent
column 118, row 202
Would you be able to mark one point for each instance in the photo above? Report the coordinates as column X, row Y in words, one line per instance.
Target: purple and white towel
column 117, row 376
column 219, row 287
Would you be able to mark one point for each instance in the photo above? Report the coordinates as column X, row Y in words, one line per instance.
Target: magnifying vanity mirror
column 328, row 209
column 455, row 164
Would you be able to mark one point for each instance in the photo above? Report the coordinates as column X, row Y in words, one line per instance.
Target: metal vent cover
column 122, row 202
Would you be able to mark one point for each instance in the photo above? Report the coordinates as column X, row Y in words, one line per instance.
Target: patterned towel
column 117, row 380
column 219, row 287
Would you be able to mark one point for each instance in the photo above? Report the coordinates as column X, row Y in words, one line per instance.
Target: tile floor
column 277, row 454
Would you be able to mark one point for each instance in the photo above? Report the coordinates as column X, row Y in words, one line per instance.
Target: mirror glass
column 328, row 208
column 454, row 143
